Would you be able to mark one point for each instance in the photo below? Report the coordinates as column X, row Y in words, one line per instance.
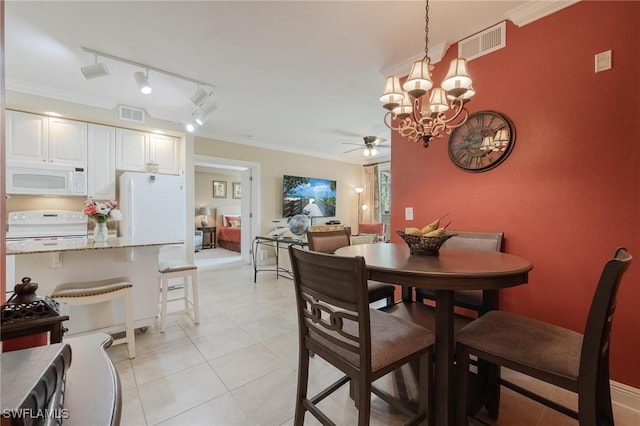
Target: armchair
column 197, row 241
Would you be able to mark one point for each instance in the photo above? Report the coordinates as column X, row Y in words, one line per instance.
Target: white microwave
column 50, row 180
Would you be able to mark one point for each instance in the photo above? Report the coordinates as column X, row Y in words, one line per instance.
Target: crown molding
column 534, row 10
column 436, row 53
column 63, row 95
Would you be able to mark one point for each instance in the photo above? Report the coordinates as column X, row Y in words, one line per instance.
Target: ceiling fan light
column 190, row 127
column 366, row 152
column 457, row 77
column 143, row 82
column 392, row 93
column 374, row 151
column 419, row 79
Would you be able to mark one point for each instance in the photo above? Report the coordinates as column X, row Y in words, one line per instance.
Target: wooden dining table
column 453, row 269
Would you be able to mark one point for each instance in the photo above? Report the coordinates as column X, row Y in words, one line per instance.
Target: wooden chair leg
column 462, row 378
column 303, row 381
column 364, row 402
column 196, row 298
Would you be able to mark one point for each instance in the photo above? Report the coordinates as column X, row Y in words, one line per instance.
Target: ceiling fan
column 370, row 147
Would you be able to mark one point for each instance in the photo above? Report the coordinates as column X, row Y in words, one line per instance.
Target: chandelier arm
column 406, row 127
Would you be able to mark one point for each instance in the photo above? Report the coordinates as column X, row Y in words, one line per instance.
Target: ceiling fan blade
column 351, row 143
column 378, row 141
column 354, row 149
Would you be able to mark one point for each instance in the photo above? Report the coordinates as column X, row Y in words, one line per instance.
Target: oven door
column 46, row 181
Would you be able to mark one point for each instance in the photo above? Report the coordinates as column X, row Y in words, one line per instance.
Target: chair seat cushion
column 553, row 350
column 379, row 291
column 175, row 266
column 392, row 339
column 90, row 288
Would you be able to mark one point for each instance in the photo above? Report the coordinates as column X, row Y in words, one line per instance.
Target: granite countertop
column 81, row 245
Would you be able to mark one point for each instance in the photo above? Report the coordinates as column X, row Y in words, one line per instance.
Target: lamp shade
column 205, row 211
column 419, row 80
column 404, row 109
column 457, row 80
column 438, row 100
column 392, row 93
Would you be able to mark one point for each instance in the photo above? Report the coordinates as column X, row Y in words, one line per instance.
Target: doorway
column 249, row 174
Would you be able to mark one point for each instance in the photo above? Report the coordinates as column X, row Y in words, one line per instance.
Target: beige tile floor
column 238, row 367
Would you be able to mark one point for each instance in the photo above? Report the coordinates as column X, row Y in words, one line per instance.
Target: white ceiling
column 300, row 76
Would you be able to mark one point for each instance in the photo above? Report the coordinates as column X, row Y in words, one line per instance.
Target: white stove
column 32, row 229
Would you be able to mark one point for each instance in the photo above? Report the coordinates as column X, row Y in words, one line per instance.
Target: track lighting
column 143, row 82
column 201, row 99
column 94, row 70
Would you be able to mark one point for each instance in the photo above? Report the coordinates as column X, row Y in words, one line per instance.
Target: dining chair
column 336, row 323
column 573, row 361
column 476, row 300
column 330, row 241
column 376, row 229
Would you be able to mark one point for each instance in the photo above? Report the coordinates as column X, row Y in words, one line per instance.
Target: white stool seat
column 90, row 292
column 189, row 273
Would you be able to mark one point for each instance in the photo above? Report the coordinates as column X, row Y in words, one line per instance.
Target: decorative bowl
column 425, row 246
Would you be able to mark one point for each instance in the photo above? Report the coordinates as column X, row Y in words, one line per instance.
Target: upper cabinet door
column 131, row 150
column 67, row 142
column 102, row 162
column 165, row 150
column 27, row 137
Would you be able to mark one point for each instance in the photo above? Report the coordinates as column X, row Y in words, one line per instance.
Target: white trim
column 436, row 53
column 625, row 395
column 534, row 10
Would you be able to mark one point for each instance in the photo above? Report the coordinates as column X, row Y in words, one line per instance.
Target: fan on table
column 370, row 147
column 299, row 224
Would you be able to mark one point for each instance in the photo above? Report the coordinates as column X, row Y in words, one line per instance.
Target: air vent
column 487, row 41
column 131, row 114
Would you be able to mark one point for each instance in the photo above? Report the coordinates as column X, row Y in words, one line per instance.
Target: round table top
column 452, row 264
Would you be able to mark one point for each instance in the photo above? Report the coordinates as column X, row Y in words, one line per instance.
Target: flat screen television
column 311, row 197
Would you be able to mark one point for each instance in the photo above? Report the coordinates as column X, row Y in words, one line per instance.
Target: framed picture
column 219, row 189
column 237, row 190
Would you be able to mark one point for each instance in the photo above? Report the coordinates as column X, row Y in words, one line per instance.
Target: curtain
column 370, row 195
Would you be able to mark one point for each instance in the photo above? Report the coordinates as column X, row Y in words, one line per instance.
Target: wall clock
column 482, row 142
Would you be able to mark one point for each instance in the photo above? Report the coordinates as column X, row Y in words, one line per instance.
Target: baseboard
column 625, row 395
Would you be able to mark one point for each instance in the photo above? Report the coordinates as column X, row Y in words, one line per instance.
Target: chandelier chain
column 426, row 33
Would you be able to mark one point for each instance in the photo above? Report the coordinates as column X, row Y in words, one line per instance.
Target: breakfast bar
column 85, row 260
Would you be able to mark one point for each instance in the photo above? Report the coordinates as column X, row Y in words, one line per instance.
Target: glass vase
column 100, row 233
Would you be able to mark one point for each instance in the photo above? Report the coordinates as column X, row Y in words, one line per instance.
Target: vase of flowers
column 101, row 213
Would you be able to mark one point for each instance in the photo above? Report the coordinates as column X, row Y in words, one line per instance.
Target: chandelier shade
column 418, row 110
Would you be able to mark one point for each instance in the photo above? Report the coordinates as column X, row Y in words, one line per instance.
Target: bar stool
column 90, row 292
column 189, row 274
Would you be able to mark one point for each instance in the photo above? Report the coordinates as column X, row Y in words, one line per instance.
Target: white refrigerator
column 153, row 207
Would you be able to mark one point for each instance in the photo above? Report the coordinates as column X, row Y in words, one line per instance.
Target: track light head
column 143, row 82
column 203, row 114
column 190, row 127
column 200, row 97
column 94, row 70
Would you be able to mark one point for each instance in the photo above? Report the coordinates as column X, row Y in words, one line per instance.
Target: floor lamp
column 359, row 190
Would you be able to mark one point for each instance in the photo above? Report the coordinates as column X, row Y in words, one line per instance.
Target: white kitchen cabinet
column 134, row 149
column 67, row 142
column 39, row 139
column 102, row 162
column 165, row 151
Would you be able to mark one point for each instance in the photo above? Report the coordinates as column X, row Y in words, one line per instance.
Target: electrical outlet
column 603, row 61
column 408, row 213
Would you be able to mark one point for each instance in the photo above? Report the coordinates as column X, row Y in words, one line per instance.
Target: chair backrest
column 477, row 240
column 328, row 241
column 372, row 228
column 595, row 344
column 333, row 307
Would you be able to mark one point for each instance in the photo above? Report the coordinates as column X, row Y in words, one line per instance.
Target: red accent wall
column 569, row 193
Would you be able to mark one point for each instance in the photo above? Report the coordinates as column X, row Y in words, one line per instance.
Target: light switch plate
column 603, row 61
column 408, row 213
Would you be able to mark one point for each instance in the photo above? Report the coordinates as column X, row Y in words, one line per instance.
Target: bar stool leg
column 130, row 330
column 196, row 302
column 185, row 284
column 163, row 304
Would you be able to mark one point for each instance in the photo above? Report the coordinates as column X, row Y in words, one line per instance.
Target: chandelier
column 423, row 115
